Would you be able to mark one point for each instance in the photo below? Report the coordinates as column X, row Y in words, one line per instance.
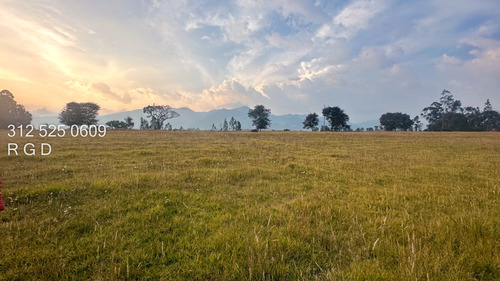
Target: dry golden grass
column 254, row 206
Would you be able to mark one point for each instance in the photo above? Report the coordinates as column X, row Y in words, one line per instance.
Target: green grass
column 253, row 206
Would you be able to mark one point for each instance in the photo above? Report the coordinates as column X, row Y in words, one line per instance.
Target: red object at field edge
column 2, row 205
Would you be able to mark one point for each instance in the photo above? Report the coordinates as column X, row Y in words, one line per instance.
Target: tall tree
column 337, row 118
column 130, row 122
column 445, row 115
column 232, row 123
column 83, row 113
column 158, row 115
column 453, row 121
column 448, row 115
column 490, row 120
column 395, row 121
column 417, row 124
column 473, row 118
column 225, row 126
column 449, row 103
column 11, row 112
column 433, row 113
column 144, row 124
column 487, row 106
column 260, row 117
column 311, row 121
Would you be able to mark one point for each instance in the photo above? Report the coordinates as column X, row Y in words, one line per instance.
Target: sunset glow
column 369, row 57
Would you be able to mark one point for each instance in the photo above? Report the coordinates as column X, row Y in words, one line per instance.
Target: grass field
column 253, row 206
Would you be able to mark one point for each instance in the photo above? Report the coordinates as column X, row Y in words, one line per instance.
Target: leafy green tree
column 473, row 118
column 225, row 125
column 448, row 115
column 417, row 124
column 83, row 113
column 487, row 106
column 395, row 121
column 144, row 124
column 445, row 115
column 130, row 122
column 158, row 115
column 11, row 112
column 232, row 123
column 260, row 117
column 115, row 124
column 454, row 121
column 449, row 103
column 311, row 121
column 337, row 118
column 433, row 113
column 490, row 120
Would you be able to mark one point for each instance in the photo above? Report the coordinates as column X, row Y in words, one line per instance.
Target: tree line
column 447, row 114
column 336, row 117
column 232, row 125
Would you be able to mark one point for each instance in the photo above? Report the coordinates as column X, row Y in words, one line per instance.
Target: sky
column 295, row 57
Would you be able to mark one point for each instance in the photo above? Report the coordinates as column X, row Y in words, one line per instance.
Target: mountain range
column 190, row 119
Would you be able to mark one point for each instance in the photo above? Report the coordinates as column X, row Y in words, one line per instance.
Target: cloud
column 105, row 90
column 353, row 18
column 445, row 61
column 97, row 91
column 315, row 69
column 295, row 56
column 356, row 16
column 378, row 57
column 229, row 93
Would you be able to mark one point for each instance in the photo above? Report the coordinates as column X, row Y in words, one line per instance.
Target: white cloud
column 447, row 61
column 356, row 16
column 293, row 55
column 353, row 18
column 230, row 93
column 316, row 68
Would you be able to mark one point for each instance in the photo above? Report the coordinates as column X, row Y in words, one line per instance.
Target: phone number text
column 54, row 131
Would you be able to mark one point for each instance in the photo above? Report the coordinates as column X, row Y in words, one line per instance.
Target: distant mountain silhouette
column 190, row 119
